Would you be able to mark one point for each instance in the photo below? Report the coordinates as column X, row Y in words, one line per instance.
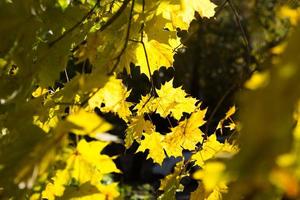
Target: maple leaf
column 89, row 123
column 174, row 101
column 171, row 183
column 84, row 165
column 201, row 193
column 182, row 13
column 158, row 55
column 146, row 105
column 113, row 95
column 49, row 120
column 136, row 128
column 230, row 112
column 214, row 179
column 185, row 135
column 213, row 148
column 153, row 142
column 205, row 8
column 228, row 115
column 231, row 126
column 57, row 188
column 172, row 145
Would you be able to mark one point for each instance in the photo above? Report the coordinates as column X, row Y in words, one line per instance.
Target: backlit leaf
column 174, row 101
column 88, row 123
column 158, row 55
column 136, row 128
column 153, row 142
column 113, row 95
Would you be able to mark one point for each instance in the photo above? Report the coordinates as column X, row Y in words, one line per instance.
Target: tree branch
column 118, row 58
column 76, row 25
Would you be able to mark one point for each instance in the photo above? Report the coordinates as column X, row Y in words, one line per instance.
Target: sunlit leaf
column 88, row 123
column 113, row 95
column 153, row 142
column 136, row 128
column 171, row 183
column 174, row 101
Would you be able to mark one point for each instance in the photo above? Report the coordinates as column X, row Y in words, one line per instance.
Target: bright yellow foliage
column 85, row 164
column 292, row 14
column 39, row 92
column 113, row 95
column 214, row 179
column 174, row 101
column 136, row 128
column 51, row 121
column 89, row 123
column 181, row 13
column 146, row 105
column 186, row 135
column 258, row 80
column 232, row 124
column 153, row 142
column 158, row 54
column 171, row 183
column 213, row 148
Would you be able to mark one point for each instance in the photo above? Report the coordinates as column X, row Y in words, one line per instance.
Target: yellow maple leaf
column 84, row 164
column 89, row 123
column 136, row 128
column 186, row 135
column 153, row 142
column 57, row 188
column 109, row 191
column 146, row 105
column 90, row 152
column 232, row 124
column 214, row 179
column 49, row 121
column 213, row 148
column 172, row 145
column 211, row 174
column 174, row 101
column 230, row 112
column 158, row 55
column 171, row 183
column 181, row 13
column 113, row 95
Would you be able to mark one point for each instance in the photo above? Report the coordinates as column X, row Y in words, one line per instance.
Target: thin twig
column 108, row 22
column 238, row 20
column 66, row 74
column 118, row 58
column 103, row 27
column 221, row 7
column 146, row 55
column 115, row 16
column 76, row 25
column 67, row 104
column 217, row 108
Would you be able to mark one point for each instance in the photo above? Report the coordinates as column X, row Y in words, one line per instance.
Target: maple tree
column 53, row 139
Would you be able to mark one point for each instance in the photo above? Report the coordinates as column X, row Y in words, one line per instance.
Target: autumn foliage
column 55, row 131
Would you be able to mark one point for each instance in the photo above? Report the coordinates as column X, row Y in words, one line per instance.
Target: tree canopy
column 201, row 96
